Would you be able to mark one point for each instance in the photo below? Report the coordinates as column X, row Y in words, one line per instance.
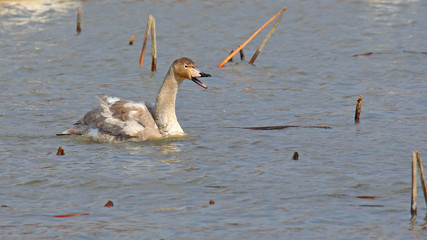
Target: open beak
column 198, row 82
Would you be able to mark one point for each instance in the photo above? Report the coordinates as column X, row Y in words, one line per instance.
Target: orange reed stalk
column 266, row 38
column 250, row 38
column 147, row 32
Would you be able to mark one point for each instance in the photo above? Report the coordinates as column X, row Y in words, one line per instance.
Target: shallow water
column 305, row 76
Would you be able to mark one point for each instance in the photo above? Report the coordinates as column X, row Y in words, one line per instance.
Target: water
column 305, row 76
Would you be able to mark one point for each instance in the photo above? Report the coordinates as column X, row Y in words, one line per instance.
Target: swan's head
column 185, row 69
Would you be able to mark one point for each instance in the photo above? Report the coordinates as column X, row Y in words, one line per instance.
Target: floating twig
column 131, row 39
column 250, row 38
column 371, row 205
column 71, row 215
column 358, row 109
column 367, row 197
column 154, row 45
column 147, row 32
column 414, row 185
column 267, row 37
column 79, row 20
column 370, row 53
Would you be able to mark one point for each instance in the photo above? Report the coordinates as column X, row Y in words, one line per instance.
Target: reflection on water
column 169, row 148
column 164, row 147
column 166, row 153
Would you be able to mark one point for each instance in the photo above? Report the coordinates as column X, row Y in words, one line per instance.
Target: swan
column 119, row 120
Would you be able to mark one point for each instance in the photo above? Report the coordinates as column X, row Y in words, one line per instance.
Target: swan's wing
column 118, row 118
column 127, row 118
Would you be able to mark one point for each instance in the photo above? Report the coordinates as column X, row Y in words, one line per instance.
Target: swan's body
column 117, row 120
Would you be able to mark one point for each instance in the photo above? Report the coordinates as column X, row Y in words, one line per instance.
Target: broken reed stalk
column 154, row 45
column 131, row 39
column 147, row 32
column 79, row 20
column 267, row 37
column 414, row 185
column 358, row 109
column 60, row 151
column 250, row 38
column 242, row 54
column 423, row 179
column 295, row 156
column 231, row 59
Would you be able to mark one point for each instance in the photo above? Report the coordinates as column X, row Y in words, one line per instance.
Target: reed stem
column 131, row 39
column 250, row 38
column 79, row 20
column 423, row 179
column 242, row 55
column 414, row 185
column 267, row 37
column 231, row 59
column 147, row 32
column 358, row 109
column 154, row 45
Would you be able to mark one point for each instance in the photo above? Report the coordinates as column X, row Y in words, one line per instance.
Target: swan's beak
column 198, row 82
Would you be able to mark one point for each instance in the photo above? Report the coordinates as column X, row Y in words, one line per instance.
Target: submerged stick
column 423, row 179
column 358, row 109
column 414, row 185
column 71, row 215
column 79, row 20
column 267, row 37
column 363, row 54
column 280, row 127
column 250, row 38
column 147, row 32
column 154, row 45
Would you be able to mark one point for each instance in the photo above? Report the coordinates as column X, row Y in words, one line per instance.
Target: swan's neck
column 164, row 114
